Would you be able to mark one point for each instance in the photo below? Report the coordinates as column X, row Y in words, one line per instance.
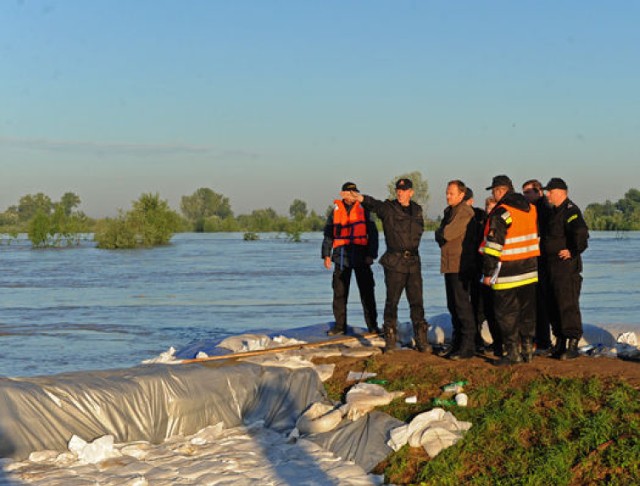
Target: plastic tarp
column 157, row 402
column 149, row 403
column 362, row 441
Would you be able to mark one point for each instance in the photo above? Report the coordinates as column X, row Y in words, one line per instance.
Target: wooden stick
column 291, row 347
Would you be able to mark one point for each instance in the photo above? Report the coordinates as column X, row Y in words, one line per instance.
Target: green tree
column 150, row 222
column 420, row 188
column 202, row 204
column 69, row 201
column 39, row 229
column 298, row 210
column 31, row 204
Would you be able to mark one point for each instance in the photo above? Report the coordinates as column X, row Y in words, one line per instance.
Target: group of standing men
column 516, row 265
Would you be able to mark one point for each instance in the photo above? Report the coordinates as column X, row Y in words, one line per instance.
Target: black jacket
column 403, row 228
column 350, row 255
column 565, row 228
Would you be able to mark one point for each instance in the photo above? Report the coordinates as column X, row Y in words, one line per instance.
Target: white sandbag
column 319, row 417
column 361, row 352
column 434, row 430
column 364, row 397
column 256, row 342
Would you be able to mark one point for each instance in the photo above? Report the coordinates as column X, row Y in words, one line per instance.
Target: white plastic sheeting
column 245, row 455
column 150, row 403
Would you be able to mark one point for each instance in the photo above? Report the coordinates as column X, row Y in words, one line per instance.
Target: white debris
column 434, row 430
column 93, row 452
column 167, row 357
column 201, row 355
column 413, row 399
column 628, row 338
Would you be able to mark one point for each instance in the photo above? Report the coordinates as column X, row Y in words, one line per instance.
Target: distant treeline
column 151, row 221
column 623, row 215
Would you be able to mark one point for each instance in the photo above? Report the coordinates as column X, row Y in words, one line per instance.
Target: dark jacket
column 497, row 232
column 458, row 240
column 565, row 228
column 350, row 255
column 403, row 228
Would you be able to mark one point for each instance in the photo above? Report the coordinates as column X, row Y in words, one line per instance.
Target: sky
column 267, row 101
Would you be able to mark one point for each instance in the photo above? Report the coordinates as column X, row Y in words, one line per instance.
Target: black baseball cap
column 500, row 180
column 350, row 186
column 555, row 183
column 404, row 184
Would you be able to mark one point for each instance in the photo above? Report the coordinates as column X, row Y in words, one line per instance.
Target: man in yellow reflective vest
column 351, row 245
column 510, row 250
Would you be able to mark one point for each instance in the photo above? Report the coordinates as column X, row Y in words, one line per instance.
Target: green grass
column 550, row 431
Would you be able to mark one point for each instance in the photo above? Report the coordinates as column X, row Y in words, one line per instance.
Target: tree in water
column 203, row 204
column 420, row 188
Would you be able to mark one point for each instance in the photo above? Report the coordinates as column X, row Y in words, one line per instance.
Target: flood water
column 83, row 308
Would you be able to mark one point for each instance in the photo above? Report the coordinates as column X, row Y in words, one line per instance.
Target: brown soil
column 432, row 371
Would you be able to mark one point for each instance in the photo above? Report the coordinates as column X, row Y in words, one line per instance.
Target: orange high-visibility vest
column 522, row 240
column 349, row 228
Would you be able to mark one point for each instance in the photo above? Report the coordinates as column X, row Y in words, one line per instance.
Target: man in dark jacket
column 403, row 225
column 532, row 190
column 351, row 243
column 457, row 239
column 564, row 239
column 510, row 266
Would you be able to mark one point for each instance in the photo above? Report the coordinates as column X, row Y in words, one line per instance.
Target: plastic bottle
column 377, row 381
column 455, row 387
column 443, row 402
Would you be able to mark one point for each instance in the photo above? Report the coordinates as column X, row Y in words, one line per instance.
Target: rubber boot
column 511, row 357
column 572, row 350
column 559, row 348
column 390, row 337
column 527, row 350
column 420, row 335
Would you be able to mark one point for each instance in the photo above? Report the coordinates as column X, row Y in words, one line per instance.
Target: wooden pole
column 291, row 347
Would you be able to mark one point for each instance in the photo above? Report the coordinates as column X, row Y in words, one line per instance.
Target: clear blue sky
column 267, row 101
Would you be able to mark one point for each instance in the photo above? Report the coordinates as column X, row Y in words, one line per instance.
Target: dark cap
column 350, row 186
column 468, row 194
column 555, row 183
column 500, row 180
column 404, row 184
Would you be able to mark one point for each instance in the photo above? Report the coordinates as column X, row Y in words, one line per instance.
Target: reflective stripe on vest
column 349, row 228
column 503, row 283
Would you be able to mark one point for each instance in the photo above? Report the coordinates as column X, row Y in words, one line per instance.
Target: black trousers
column 458, row 290
column 396, row 283
column 565, row 283
column 366, row 284
column 515, row 313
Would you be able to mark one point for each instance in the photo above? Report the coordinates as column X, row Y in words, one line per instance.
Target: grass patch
column 550, row 431
column 526, row 431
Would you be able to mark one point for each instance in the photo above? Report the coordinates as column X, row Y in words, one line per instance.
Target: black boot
column 527, row 350
column 572, row 350
column 337, row 330
column 420, row 335
column 390, row 337
column 559, row 348
column 511, row 357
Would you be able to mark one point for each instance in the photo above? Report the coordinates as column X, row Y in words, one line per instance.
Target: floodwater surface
column 83, row 308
